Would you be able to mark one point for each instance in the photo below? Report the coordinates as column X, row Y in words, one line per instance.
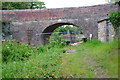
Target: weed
column 50, row 62
column 13, row 51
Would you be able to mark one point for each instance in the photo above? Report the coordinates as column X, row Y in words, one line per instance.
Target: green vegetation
column 114, row 1
column 52, row 62
column 115, row 19
column 11, row 51
column 0, row 62
column 65, row 28
column 89, row 57
column 6, row 30
column 56, row 40
column 43, row 63
column 67, row 33
column 22, row 5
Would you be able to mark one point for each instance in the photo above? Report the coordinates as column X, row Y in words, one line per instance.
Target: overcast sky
column 71, row 3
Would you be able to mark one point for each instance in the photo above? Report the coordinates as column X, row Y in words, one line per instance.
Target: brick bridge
column 27, row 25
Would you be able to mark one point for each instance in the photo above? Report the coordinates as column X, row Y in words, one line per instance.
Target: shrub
column 115, row 19
column 13, row 51
column 56, row 40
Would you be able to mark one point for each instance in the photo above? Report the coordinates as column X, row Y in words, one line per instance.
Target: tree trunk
column 31, row 7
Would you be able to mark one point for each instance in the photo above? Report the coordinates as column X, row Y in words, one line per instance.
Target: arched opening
column 70, row 32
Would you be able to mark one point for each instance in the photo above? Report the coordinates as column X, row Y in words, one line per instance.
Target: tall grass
column 52, row 62
column 106, row 56
column 44, row 62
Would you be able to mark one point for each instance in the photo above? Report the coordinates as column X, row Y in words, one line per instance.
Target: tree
column 115, row 20
column 112, row 1
column 65, row 28
column 37, row 5
column 22, row 5
column 115, row 17
column 116, row 2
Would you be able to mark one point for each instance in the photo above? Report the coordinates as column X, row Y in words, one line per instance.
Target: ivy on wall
column 114, row 19
column 6, row 32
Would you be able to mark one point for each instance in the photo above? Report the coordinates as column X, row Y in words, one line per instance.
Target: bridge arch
column 42, row 21
column 46, row 33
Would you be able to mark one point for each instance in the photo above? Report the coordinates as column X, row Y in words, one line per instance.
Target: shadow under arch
column 47, row 31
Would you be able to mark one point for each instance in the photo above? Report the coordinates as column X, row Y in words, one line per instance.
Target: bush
column 56, row 40
column 44, row 63
column 115, row 19
column 13, row 51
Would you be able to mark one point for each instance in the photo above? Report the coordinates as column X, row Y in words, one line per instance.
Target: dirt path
column 98, row 71
column 70, row 52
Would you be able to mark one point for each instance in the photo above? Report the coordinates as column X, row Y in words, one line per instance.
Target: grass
column 47, row 62
column 39, row 65
column 104, row 54
column 0, row 62
column 76, row 66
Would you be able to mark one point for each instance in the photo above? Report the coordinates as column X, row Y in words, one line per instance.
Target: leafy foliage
column 56, row 40
column 49, row 62
column 115, row 19
column 44, row 63
column 6, row 29
column 114, row 1
column 66, row 28
column 22, row 5
column 11, row 51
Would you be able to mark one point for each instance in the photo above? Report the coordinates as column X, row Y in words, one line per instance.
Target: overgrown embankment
column 91, row 60
column 21, row 61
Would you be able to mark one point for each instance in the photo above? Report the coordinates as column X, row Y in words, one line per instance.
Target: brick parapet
column 27, row 15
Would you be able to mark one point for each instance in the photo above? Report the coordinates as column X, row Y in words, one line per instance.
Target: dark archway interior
column 47, row 32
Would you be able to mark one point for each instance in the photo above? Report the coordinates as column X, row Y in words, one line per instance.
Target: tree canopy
column 114, row 1
column 115, row 19
column 22, row 5
column 72, row 29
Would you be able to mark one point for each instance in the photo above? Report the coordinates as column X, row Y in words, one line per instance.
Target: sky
column 71, row 3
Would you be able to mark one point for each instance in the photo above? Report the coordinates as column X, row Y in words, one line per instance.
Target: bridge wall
column 34, row 22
